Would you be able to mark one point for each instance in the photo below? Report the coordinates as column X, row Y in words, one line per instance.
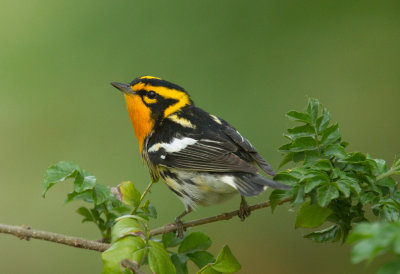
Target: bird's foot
column 179, row 224
column 179, row 228
column 244, row 210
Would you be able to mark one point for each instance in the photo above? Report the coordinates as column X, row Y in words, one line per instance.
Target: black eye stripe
column 151, row 94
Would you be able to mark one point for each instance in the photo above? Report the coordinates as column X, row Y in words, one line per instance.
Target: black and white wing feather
column 199, row 154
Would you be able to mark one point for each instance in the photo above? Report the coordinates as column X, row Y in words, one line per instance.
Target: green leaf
column 193, row 242
column 226, row 262
column 86, row 196
column 335, row 150
column 59, row 173
column 159, row 260
column 352, row 183
column 323, row 121
column 149, row 209
column 311, row 216
column 313, row 181
column 299, row 194
column 277, row 195
column 344, row 188
column 390, row 268
column 170, row 240
column 299, row 116
column 85, row 213
column 201, row 258
column 127, row 226
column 288, row 158
column 323, row 164
column 127, row 193
column 84, row 181
column 301, row 131
column 101, row 194
column 300, row 144
column 330, row 135
column 313, row 109
column 326, row 193
column 180, row 263
column 122, row 249
column 329, row 234
column 285, row 178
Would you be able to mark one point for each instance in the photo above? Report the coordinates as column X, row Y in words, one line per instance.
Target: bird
column 202, row 158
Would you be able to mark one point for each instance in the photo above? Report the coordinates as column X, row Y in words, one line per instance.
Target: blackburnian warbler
column 202, row 158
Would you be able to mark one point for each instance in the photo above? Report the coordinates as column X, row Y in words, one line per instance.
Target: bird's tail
column 250, row 184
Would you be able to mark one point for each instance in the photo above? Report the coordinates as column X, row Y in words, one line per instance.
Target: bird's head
column 150, row 100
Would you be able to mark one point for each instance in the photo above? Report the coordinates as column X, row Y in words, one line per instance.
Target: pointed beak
column 125, row 88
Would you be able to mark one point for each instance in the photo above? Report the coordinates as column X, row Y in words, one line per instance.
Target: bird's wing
column 242, row 142
column 210, row 153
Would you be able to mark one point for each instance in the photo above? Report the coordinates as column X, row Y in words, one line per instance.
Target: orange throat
column 140, row 116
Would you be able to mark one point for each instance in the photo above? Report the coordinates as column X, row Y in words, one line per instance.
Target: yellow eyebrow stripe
column 167, row 93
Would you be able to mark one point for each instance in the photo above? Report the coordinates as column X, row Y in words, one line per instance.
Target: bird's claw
column 179, row 228
column 244, row 210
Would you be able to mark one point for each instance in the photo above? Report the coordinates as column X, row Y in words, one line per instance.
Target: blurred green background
column 249, row 62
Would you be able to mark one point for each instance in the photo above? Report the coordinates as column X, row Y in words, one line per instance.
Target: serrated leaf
column 323, row 164
column 315, row 181
column 329, row 234
column 330, row 135
column 311, row 216
column 335, row 150
column 122, row 249
column 324, row 120
column 159, row 260
column 298, row 193
column 344, row 188
column 326, row 193
column 352, row 183
column 59, row 173
column 288, row 158
column 201, row 258
column 277, row 195
column 195, row 241
column 301, row 131
column 101, row 194
column 313, row 109
column 286, row 179
column 226, row 262
column 299, row 116
column 303, row 144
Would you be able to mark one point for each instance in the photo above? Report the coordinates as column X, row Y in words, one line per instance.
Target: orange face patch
column 140, row 116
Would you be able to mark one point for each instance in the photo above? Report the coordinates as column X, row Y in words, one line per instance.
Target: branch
column 26, row 233
column 224, row 216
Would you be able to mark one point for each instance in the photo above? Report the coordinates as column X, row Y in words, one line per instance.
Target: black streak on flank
column 176, row 192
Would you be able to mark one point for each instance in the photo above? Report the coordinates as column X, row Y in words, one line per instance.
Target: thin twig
column 142, row 196
column 224, row 216
column 26, row 233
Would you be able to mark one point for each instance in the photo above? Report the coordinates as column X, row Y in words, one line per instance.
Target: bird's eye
column 151, row 94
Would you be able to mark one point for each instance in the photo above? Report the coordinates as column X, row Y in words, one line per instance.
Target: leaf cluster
column 105, row 204
column 334, row 188
column 122, row 216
